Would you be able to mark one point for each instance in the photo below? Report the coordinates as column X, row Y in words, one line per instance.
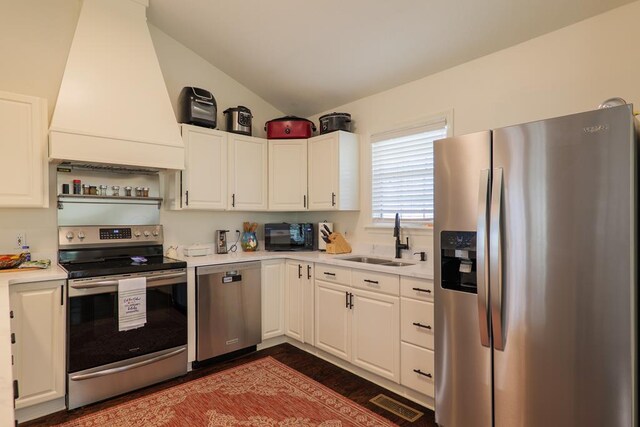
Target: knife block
column 338, row 244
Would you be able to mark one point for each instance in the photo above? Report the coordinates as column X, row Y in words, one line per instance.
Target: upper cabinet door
column 204, row 180
column 288, row 175
column 248, row 177
column 334, row 172
column 23, row 158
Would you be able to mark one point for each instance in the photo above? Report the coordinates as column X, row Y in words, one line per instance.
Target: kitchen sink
column 378, row 261
column 366, row 260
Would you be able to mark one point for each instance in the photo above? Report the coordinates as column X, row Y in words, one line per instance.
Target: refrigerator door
column 463, row 363
column 563, row 293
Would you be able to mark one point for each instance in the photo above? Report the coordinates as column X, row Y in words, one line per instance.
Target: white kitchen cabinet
column 358, row 325
column 23, row 148
column 39, row 314
column 334, row 172
column 204, row 179
column 417, row 334
column 299, row 296
column 248, row 177
column 287, row 174
column 375, row 325
column 333, row 317
column 273, row 290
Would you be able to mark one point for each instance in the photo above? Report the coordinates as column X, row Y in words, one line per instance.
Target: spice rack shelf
column 90, row 198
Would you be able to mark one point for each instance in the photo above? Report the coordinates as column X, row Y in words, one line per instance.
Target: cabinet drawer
column 416, row 322
column 374, row 281
column 417, row 368
column 333, row 274
column 421, row 289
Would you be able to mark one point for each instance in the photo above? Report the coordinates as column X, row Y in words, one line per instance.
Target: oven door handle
column 111, row 371
column 115, row 282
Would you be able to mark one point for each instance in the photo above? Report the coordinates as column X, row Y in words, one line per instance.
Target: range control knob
column 155, row 233
column 81, row 235
column 146, row 233
column 69, row 235
column 136, row 233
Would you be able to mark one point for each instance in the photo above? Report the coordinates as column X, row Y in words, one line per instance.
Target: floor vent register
column 395, row 407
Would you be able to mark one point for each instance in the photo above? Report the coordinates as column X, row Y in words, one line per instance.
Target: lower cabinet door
column 39, row 348
column 417, row 368
column 273, row 282
column 375, row 328
column 332, row 319
column 293, row 321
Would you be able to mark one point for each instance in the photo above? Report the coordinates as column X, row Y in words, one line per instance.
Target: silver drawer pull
column 128, row 367
column 426, row 374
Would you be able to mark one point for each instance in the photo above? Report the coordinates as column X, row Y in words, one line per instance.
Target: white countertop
column 419, row 269
column 6, row 377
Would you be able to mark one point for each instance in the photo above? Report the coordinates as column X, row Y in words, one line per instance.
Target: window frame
column 419, row 125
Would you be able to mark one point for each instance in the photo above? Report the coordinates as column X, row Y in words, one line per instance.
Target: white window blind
column 402, row 172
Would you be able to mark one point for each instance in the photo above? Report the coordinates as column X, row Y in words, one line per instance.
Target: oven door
column 94, row 338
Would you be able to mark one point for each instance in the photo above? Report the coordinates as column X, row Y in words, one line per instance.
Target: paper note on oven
column 132, row 303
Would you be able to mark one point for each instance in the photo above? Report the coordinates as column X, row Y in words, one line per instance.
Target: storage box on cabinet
column 417, row 368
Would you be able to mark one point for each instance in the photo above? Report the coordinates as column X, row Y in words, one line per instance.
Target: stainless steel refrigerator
column 536, row 274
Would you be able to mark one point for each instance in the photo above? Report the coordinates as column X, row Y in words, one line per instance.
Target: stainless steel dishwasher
column 228, row 308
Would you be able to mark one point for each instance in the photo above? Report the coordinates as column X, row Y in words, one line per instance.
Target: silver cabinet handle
column 103, row 283
column 495, row 263
column 481, row 245
column 111, row 371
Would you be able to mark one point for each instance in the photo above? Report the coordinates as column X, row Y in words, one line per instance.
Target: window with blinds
column 402, row 172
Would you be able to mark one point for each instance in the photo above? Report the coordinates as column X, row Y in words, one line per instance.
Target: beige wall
column 567, row 71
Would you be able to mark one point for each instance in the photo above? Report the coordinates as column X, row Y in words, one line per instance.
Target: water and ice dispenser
column 458, row 261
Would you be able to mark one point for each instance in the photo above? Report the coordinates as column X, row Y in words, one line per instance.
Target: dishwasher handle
column 225, row 269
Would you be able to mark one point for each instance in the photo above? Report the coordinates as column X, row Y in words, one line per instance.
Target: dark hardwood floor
column 347, row 384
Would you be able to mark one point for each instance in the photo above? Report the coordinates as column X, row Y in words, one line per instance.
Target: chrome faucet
column 396, row 234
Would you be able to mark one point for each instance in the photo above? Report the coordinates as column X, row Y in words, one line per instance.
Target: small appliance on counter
column 196, row 250
column 197, row 107
column 238, row 120
column 335, row 121
column 221, row 241
column 289, row 237
column 289, row 127
column 324, row 231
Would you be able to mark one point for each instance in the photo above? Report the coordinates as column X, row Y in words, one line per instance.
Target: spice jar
column 138, row 191
column 85, row 189
column 76, row 186
column 115, row 190
column 127, row 191
column 103, row 190
column 145, row 192
column 93, row 190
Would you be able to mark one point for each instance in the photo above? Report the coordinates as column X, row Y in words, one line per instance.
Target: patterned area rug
column 262, row 393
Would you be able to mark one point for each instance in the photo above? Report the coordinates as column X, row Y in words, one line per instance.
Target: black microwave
column 289, row 237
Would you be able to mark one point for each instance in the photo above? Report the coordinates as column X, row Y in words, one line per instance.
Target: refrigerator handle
column 495, row 263
column 481, row 261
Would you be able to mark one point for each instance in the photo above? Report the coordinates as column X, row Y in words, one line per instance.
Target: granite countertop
column 6, row 378
column 419, row 269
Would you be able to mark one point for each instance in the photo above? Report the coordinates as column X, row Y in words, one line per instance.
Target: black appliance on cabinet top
column 105, row 359
column 197, row 107
column 289, row 237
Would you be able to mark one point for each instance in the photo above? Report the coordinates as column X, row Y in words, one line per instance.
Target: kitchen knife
column 326, row 239
column 324, row 234
column 327, row 228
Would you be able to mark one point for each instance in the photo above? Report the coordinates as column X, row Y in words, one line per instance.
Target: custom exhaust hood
column 113, row 106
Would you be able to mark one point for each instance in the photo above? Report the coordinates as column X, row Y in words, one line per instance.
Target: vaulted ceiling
column 306, row 57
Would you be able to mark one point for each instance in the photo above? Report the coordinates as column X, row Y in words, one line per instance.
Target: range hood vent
column 113, row 106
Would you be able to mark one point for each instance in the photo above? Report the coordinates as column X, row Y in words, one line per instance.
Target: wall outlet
column 21, row 239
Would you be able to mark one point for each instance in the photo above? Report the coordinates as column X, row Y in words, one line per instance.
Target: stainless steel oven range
column 105, row 359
